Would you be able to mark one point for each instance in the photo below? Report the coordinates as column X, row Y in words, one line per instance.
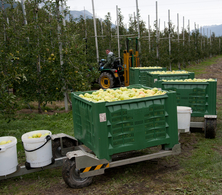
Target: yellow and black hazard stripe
column 93, row 168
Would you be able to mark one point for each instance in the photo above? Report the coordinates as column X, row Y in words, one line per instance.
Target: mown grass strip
column 201, row 67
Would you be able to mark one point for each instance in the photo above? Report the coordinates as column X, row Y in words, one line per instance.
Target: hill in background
column 77, row 14
column 6, row 5
column 217, row 29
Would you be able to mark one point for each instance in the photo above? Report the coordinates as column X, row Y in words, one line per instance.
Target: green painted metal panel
column 200, row 96
column 152, row 78
column 138, row 76
column 109, row 128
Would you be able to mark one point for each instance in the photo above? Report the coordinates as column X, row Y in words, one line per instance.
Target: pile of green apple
column 119, row 94
column 190, row 80
column 170, row 72
column 149, row 67
column 38, row 135
column 5, row 142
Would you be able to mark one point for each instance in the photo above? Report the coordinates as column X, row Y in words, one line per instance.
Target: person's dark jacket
column 109, row 61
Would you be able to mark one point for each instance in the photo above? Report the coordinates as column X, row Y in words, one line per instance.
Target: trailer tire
column 71, row 176
column 56, row 146
column 210, row 128
column 106, row 80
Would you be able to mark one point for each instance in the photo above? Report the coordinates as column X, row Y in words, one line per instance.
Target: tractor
column 111, row 77
column 118, row 75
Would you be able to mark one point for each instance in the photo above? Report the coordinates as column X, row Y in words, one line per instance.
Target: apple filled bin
column 199, row 94
column 38, row 148
column 111, row 127
column 137, row 75
column 8, row 155
column 153, row 77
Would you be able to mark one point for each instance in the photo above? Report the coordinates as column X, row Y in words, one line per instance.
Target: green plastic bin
column 109, row 128
column 138, row 76
column 152, row 78
column 200, row 96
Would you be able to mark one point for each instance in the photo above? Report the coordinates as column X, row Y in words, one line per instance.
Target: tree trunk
column 39, row 108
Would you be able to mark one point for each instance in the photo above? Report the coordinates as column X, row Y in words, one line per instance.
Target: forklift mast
column 130, row 59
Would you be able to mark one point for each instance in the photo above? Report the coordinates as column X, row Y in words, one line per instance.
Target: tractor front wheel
column 106, row 80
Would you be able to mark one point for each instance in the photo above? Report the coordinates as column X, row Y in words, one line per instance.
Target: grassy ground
column 201, row 67
column 197, row 170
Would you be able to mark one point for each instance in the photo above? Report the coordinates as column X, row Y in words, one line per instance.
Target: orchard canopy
column 46, row 53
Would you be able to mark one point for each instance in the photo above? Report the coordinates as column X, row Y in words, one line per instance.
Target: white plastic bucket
column 38, row 151
column 183, row 117
column 8, row 156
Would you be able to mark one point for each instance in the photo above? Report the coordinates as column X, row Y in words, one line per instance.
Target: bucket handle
column 2, row 149
column 48, row 137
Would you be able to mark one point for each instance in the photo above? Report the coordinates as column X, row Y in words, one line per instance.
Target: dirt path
column 215, row 71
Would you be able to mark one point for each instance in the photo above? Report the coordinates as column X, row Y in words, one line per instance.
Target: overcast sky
column 201, row 12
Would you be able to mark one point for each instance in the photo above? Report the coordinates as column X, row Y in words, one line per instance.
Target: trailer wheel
column 210, row 128
column 71, row 175
column 56, row 147
column 106, row 80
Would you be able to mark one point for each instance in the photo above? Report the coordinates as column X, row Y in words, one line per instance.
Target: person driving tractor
column 111, row 71
column 110, row 59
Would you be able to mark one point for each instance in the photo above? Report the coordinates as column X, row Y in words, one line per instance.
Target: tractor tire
column 71, row 175
column 210, row 128
column 106, row 80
